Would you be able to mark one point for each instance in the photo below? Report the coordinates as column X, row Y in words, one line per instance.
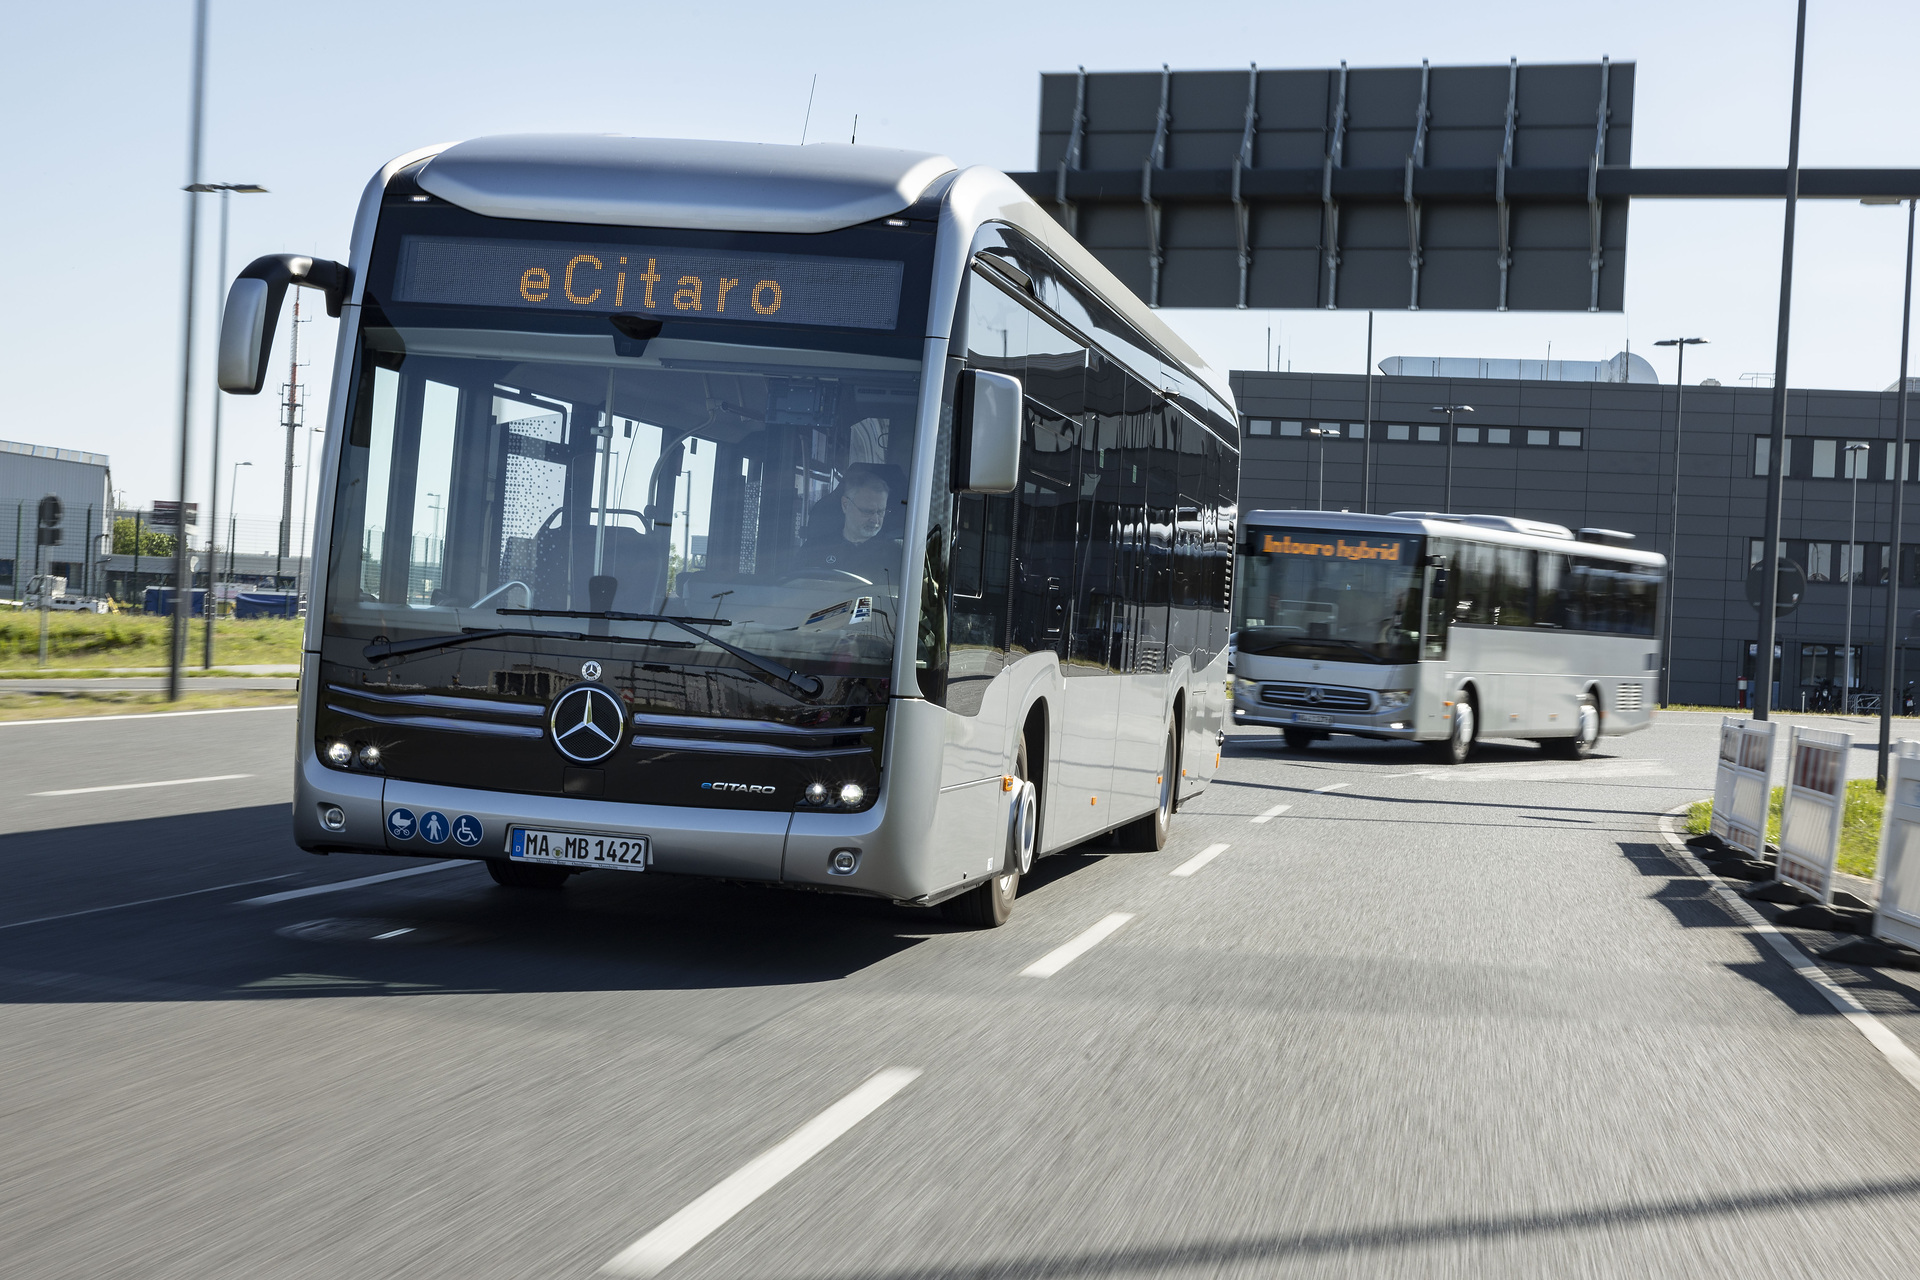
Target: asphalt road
column 1422, row 1021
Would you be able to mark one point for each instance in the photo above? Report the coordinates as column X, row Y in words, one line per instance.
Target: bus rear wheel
column 1581, row 744
column 509, row 874
column 989, row 904
column 1149, row 834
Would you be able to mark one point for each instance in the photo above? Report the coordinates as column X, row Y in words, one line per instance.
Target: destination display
column 1339, row 548
column 547, row 275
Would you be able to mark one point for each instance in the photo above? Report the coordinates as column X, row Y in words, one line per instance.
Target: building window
column 1855, row 466
column 1468, row 435
column 1356, row 431
column 1763, row 449
column 1819, row 562
column 1499, row 435
column 1289, row 428
column 1429, row 433
column 1754, row 551
column 1397, row 431
column 1853, row 562
column 1539, row 437
column 1569, row 439
column 1823, row 451
column 1905, row 468
column 1825, row 665
column 6, row 571
column 1260, row 427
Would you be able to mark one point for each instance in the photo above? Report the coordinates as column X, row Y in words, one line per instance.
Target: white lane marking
column 1201, row 859
column 1060, row 957
column 1891, row 1046
column 338, row 885
column 138, row 786
column 1273, row 813
column 657, row 1250
column 1332, row 786
column 391, row 933
column 144, row 715
column 120, row 906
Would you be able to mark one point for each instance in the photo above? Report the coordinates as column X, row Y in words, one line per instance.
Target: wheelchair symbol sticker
column 466, row 830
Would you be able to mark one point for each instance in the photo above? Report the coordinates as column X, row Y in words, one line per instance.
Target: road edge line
column 151, row 715
column 1901, row 1058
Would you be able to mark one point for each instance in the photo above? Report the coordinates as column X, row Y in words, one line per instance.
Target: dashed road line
column 338, row 885
column 661, row 1247
column 141, row 786
column 1332, row 786
column 1200, row 859
column 1272, row 813
column 121, row 906
column 1060, row 957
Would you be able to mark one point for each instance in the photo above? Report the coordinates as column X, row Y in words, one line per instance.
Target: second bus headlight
column 1391, row 698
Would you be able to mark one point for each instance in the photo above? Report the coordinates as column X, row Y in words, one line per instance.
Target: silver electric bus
column 820, row 516
column 1443, row 629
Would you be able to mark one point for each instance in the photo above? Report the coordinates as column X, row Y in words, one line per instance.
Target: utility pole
column 292, row 424
column 1776, row 455
column 1673, row 523
column 182, row 584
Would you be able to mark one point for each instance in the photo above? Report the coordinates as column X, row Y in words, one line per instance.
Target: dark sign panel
column 1446, row 187
column 546, row 275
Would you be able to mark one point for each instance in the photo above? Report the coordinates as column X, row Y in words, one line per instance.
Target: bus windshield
column 494, row 470
column 1328, row 596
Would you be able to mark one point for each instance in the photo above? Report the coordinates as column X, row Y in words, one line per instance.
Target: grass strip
column 120, row 702
column 81, row 640
column 1860, row 819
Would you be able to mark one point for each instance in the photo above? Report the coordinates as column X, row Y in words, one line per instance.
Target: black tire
column 1149, row 834
column 1581, row 744
column 1298, row 739
column 989, row 904
column 526, row 875
column 1462, row 728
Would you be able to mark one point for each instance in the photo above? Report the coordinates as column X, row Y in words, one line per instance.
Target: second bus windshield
column 1338, row 597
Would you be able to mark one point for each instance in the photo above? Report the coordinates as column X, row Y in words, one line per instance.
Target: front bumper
column 1396, row 723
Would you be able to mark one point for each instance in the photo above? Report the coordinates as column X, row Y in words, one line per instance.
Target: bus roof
column 1506, row 531
column 679, row 182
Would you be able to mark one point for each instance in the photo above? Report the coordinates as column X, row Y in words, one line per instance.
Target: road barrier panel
column 1811, row 809
column 1897, row 918
column 1743, row 784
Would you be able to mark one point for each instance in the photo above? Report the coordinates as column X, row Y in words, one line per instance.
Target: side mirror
column 253, row 313
column 986, row 443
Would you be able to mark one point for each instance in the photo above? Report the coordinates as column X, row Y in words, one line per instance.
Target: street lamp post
column 1450, row 410
column 1673, row 524
column 225, row 189
column 1898, row 469
column 1321, row 433
column 233, row 523
column 182, row 584
column 1856, row 461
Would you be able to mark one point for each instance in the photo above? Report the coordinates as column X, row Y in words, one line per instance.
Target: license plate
column 578, row 849
column 1311, row 717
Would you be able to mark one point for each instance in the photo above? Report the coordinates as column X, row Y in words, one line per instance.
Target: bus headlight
column 816, row 793
column 1392, row 698
column 852, row 794
column 339, row 754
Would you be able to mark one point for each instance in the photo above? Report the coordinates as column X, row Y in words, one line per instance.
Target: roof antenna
column 856, row 130
column 809, row 117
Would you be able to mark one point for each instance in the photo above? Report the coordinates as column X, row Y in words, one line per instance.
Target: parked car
column 49, row 591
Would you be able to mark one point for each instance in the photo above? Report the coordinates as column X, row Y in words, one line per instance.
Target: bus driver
column 854, row 545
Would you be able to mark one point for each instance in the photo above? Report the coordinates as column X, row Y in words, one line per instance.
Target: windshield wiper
column 809, row 685
column 383, row 648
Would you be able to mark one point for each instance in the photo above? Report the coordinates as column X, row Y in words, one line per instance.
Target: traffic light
column 48, row 524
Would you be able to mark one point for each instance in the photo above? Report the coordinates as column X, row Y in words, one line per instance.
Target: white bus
column 819, row 516
column 1444, row 629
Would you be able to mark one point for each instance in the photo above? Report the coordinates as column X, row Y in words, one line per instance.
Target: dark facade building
column 1602, row 454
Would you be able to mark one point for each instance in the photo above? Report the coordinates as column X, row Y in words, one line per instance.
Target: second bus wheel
column 1149, row 834
column 1298, row 739
column 526, row 875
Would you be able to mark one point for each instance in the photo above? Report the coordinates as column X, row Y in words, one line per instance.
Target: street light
column 213, row 498
column 1856, row 461
column 1899, row 469
column 1673, row 525
column 233, row 507
column 1450, row 410
column 1323, row 431
column 182, row 585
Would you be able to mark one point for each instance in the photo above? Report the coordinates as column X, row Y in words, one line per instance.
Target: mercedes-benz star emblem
column 1314, row 695
column 586, row 723
column 590, row 669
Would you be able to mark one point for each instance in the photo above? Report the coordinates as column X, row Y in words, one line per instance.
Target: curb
column 1891, row 1046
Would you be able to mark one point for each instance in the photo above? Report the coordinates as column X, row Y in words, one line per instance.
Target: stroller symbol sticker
column 466, row 830
column 433, row 827
column 400, row 824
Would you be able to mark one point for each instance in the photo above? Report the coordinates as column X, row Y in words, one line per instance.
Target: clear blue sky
column 308, row 100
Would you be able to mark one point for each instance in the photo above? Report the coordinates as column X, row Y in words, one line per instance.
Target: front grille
column 750, row 737
column 1316, row 697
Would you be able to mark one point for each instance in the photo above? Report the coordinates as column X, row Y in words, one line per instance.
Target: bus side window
column 1472, row 582
column 1513, row 599
column 1551, row 590
column 1441, row 601
column 970, row 545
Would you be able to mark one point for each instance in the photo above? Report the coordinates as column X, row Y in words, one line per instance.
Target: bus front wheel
column 1149, row 834
column 1459, row 743
column 1581, row 744
column 988, row 905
